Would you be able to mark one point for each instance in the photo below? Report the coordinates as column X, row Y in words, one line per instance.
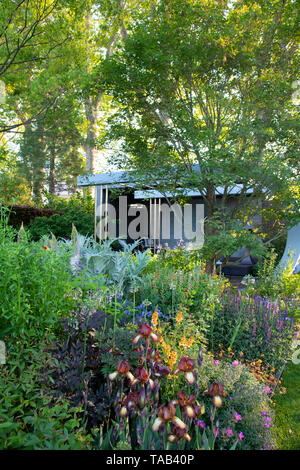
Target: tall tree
column 211, row 83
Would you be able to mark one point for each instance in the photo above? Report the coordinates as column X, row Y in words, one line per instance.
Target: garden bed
column 111, row 350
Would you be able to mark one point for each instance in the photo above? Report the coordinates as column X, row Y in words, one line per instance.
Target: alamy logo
column 2, row 92
column 2, row 353
column 296, row 354
column 159, row 222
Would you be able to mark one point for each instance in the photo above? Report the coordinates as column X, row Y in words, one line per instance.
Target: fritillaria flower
column 122, row 370
column 166, row 414
column 145, row 331
column 187, row 366
column 177, row 433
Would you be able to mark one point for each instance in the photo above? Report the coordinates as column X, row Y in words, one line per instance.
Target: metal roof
column 116, row 178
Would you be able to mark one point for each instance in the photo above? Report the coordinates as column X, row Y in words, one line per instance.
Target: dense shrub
column 258, row 328
column 25, row 215
column 177, row 258
column 273, row 283
column 194, row 291
column 61, row 224
column 29, row 418
column 34, row 284
column 86, row 349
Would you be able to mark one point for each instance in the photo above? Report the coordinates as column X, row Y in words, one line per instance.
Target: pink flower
column 238, row 417
column 267, row 389
column 241, row 435
column 235, row 363
column 228, row 432
column 217, row 363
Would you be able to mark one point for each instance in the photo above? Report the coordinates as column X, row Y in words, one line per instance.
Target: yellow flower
column 186, row 343
column 167, row 348
column 229, row 349
column 154, row 319
column 179, row 317
column 173, row 360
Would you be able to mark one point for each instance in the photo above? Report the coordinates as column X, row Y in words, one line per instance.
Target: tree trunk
column 91, row 112
column 210, row 230
column 52, row 171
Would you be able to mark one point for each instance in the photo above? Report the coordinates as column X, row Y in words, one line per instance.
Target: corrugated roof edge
column 111, row 177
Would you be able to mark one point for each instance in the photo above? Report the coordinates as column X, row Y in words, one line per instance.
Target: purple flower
column 235, row 363
column 228, row 432
column 217, row 363
column 238, row 417
column 201, row 424
column 241, row 435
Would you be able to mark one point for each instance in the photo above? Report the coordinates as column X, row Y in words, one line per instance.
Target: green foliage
column 259, row 329
column 274, row 283
column 227, row 110
column 115, row 344
column 61, row 225
column 177, row 258
column 29, row 418
column 121, row 269
column 34, row 285
column 287, row 409
column 82, row 202
column 246, row 396
column 194, row 291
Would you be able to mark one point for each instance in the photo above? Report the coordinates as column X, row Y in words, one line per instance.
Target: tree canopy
column 212, row 83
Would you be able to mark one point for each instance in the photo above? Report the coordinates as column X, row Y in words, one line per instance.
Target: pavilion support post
column 100, row 212
column 154, row 226
column 95, row 212
column 106, row 212
column 159, row 224
column 150, row 222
